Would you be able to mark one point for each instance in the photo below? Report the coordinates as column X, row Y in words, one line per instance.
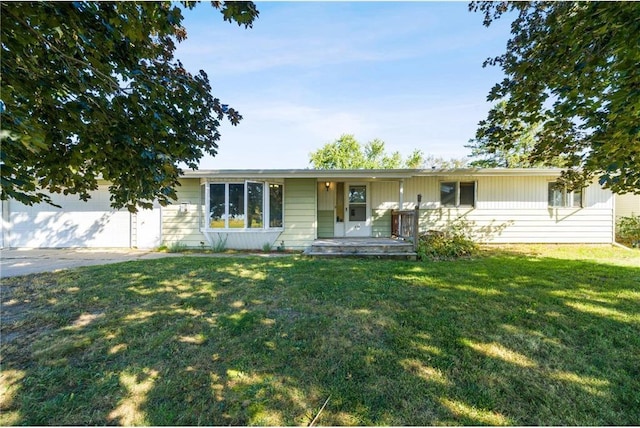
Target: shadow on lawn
column 496, row 341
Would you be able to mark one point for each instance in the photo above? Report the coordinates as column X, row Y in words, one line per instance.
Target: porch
column 384, row 248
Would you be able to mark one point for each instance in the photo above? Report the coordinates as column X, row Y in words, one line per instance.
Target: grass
column 532, row 335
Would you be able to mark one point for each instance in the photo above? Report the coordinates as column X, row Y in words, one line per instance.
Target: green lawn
column 518, row 336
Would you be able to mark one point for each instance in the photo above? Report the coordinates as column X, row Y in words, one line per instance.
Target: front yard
column 517, row 336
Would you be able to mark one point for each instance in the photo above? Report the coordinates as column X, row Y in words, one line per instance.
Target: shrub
column 628, row 230
column 266, row 247
column 452, row 243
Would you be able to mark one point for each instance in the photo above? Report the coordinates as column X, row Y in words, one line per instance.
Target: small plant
column 628, row 230
column 280, row 247
column 220, row 246
column 202, row 245
column 266, row 247
column 176, row 247
column 453, row 243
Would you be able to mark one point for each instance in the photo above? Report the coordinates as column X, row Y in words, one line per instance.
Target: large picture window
column 458, row 194
column 560, row 197
column 248, row 205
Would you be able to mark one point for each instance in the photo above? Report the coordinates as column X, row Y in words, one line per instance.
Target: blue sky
column 408, row 73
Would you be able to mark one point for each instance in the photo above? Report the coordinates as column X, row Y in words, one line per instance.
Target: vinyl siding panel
column 184, row 227
column 299, row 213
column 381, row 224
column 385, row 195
column 244, row 240
column 515, row 209
column 627, row 205
column 325, row 224
column 76, row 224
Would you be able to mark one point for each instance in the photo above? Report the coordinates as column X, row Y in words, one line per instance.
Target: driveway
column 14, row 262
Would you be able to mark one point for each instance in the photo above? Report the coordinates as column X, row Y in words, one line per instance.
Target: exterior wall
column 300, row 206
column 627, row 205
column 76, row 224
column 385, row 197
column 326, row 209
column 515, row 209
column 184, row 227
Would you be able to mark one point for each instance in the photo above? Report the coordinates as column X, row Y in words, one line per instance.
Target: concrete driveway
column 16, row 262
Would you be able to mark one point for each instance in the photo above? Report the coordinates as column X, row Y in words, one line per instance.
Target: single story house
column 246, row 209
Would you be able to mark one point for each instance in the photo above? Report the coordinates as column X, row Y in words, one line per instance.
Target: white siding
column 244, row 240
column 627, row 205
column 515, row 209
column 385, row 195
column 76, row 224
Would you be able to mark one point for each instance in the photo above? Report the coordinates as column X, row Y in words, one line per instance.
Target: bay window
column 243, row 205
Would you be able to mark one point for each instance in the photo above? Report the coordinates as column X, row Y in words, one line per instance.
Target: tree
column 573, row 68
column 438, row 162
column 508, row 153
column 92, row 90
column 347, row 153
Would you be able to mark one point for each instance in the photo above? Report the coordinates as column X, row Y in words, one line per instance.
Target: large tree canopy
column 92, row 89
column 506, row 153
column 573, row 68
column 347, row 153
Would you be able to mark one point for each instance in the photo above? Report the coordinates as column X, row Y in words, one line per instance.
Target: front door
column 357, row 208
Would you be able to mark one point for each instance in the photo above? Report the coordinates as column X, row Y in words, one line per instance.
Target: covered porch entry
column 362, row 208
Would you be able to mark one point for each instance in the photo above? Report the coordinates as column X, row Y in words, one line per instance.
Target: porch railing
column 405, row 223
column 402, row 223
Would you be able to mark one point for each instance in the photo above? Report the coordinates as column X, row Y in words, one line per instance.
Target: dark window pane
column 555, row 195
column 275, row 205
column 357, row 212
column 216, row 205
column 255, row 205
column 236, row 206
column 448, row 194
column 577, row 198
column 467, row 194
column 358, row 194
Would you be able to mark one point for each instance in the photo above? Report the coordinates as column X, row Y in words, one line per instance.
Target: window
column 217, row 211
column 236, row 206
column 244, row 205
column 560, row 197
column 275, row 205
column 458, row 194
column 255, row 201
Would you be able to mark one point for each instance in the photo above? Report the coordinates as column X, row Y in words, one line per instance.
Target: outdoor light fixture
column 327, row 185
column 184, row 207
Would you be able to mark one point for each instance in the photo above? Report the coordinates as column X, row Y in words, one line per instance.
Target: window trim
column 566, row 196
column 266, row 206
column 457, row 193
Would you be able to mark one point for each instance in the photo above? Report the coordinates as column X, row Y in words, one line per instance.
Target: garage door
column 77, row 224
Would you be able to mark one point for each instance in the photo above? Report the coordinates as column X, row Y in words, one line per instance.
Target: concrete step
column 362, row 247
column 368, row 255
column 349, row 249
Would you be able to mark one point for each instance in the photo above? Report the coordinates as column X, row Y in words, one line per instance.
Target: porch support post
column 401, row 196
column 416, row 223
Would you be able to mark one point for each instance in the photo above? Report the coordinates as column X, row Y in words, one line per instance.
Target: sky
column 408, row 73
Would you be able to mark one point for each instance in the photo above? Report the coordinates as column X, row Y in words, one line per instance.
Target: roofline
column 367, row 173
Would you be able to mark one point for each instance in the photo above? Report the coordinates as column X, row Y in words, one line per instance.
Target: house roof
column 369, row 174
